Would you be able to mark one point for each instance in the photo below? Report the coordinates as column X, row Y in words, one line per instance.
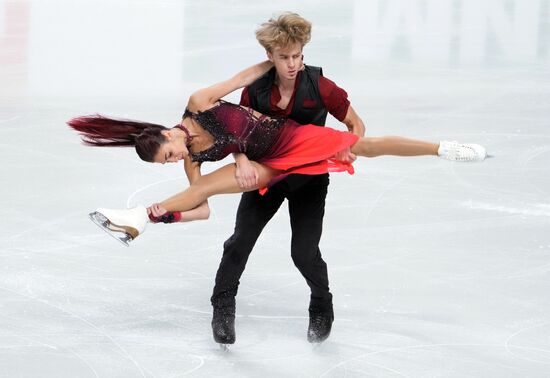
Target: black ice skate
column 223, row 327
column 223, row 319
column 123, row 225
column 320, row 324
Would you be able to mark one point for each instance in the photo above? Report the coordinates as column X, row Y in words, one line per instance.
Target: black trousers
column 306, row 203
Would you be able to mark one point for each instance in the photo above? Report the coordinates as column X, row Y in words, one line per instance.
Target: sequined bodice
column 236, row 129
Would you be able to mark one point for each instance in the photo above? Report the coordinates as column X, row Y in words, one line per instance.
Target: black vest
column 313, row 112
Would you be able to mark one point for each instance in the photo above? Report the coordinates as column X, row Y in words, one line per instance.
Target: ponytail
column 100, row 131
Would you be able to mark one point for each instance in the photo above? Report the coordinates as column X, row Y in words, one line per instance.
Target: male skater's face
column 287, row 60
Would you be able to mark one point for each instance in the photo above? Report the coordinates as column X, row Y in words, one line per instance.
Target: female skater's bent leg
column 221, row 181
column 130, row 223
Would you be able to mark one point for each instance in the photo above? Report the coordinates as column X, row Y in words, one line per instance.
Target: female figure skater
column 211, row 129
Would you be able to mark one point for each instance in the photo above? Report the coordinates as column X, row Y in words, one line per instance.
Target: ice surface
column 438, row 269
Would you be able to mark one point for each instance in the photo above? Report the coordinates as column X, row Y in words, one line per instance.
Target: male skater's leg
column 253, row 213
column 307, row 209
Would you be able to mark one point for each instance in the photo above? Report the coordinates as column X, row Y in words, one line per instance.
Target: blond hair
column 281, row 32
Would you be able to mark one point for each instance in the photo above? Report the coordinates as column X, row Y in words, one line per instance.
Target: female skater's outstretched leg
column 399, row 146
column 393, row 145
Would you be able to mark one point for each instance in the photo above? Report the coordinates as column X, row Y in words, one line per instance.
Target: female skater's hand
column 246, row 174
column 345, row 156
column 158, row 214
column 156, row 210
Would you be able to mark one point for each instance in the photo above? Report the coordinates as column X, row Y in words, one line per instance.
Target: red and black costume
column 276, row 142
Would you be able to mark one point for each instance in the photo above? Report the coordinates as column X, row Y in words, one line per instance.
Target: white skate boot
column 123, row 224
column 461, row 152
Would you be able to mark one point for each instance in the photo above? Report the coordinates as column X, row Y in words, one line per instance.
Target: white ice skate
column 123, row 224
column 461, row 152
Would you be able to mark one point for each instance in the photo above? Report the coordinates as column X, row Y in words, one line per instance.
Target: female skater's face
column 174, row 149
column 287, row 61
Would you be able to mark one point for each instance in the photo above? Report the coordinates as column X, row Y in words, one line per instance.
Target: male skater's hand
column 246, row 174
column 345, row 156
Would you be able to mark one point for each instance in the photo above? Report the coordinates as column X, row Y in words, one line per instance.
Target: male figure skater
column 301, row 93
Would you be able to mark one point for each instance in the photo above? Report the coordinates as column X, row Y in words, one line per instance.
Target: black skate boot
column 320, row 324
column 223, row 320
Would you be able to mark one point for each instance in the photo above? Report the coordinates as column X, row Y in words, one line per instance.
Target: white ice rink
column 438, row 269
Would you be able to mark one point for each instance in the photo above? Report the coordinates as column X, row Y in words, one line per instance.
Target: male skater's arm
column 337, row 104
column 354, row 123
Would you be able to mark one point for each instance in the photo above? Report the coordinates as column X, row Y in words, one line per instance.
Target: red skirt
column 308, row 150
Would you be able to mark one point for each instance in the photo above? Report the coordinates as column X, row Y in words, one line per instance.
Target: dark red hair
column 100, row 131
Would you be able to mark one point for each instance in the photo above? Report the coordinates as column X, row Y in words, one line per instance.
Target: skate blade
column 224, row 347
column 117, row 232
column 317, row 345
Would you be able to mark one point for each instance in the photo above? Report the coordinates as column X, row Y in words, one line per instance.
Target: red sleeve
column 245, row 100
column 335, row 98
